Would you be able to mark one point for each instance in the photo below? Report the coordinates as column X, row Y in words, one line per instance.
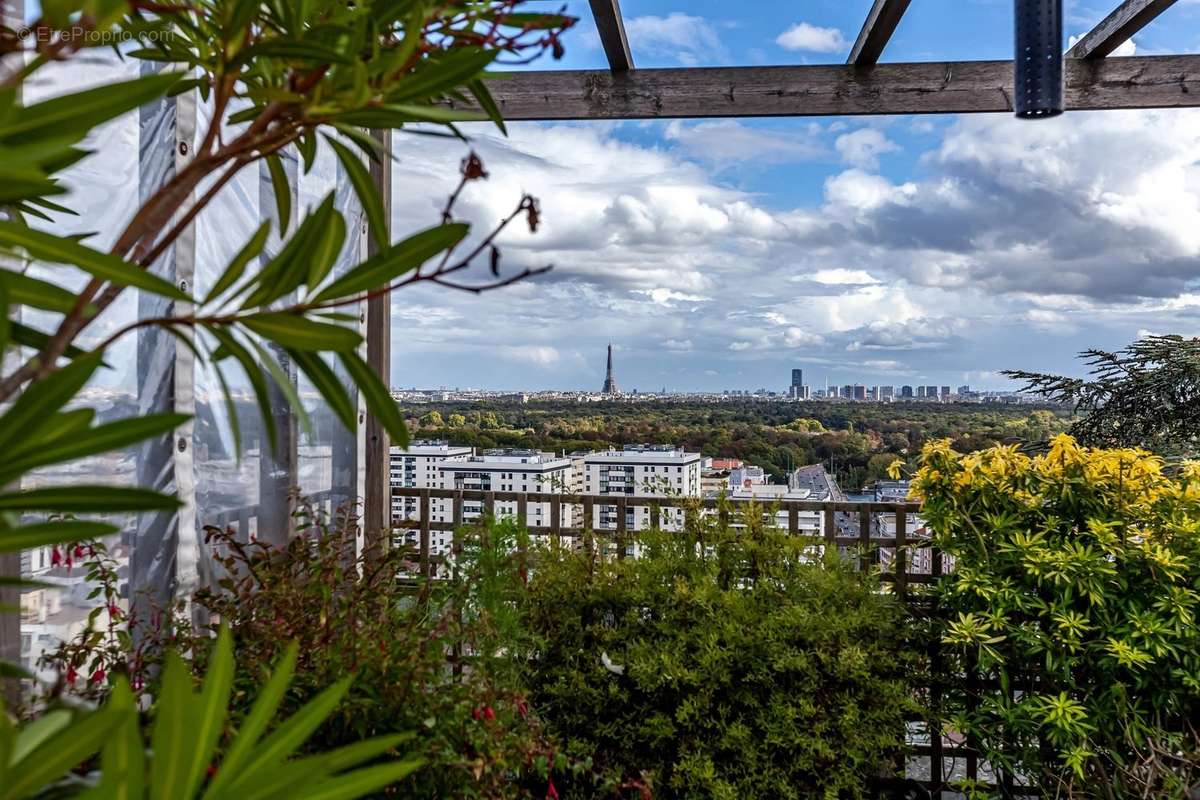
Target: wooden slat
column 377, row 508
column 800, row 91
column 1118, row 27
column 876, row 31
column 900, row 562
column 864, row 540
column 426, row 523
column 611, row 27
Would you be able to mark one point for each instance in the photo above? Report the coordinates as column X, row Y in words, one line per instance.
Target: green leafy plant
column 721, row 662
column 1145, row 395
column 1070, row 617
column 436, row 657
column 276, row 75
column 193, row 751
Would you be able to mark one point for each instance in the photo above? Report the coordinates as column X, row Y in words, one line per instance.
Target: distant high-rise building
column 859, row 392
column 610, row 380
column 945, row 392
column 847, row 391
column 906, row 391
column 886, row 392
column 796, row 390
column 931, row 393
column 921, row 392
column 964, row 390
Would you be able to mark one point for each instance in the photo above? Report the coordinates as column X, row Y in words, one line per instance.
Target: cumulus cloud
column 1014, row 246
column 685, row 38
column 805, row 36
column 724, row 142
column 862, row 148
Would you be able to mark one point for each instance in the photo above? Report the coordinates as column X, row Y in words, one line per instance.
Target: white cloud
column 685, row 38
column 727, row 141
column 837, row 277
column 862, row 148
column 804, row 36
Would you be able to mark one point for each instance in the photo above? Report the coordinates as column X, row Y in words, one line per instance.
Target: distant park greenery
column 857, row 441
column 1146, row 395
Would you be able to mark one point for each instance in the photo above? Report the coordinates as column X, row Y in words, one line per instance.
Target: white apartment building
column 767, row 494
column 416, row 467
column 643, row 470
column 522, row 471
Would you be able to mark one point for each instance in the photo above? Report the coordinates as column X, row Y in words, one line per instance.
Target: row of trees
column 856, row 442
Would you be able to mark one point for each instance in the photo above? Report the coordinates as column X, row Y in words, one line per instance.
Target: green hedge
column 718, row 665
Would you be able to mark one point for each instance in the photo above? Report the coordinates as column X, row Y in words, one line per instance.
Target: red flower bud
column 97, row 676
column 72, row 674
column 488, row 714
column 551, row 792
column 476, row 713
column 55, row 557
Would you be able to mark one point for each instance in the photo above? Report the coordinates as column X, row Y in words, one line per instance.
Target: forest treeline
column 856, row 441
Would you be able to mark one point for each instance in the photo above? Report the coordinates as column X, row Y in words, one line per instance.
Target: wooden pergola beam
column 804, row 91
column 607, row 14
column 1118, row 27
column 876, row 31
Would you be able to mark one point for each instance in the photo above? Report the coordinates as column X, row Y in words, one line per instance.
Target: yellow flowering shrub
column 1070, row 617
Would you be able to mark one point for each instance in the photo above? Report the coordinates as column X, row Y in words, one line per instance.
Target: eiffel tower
column 610, row 382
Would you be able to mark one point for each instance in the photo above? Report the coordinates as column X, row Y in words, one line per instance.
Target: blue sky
column 719, row 254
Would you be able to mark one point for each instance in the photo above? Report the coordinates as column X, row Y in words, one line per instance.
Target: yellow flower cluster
column 1126, row 478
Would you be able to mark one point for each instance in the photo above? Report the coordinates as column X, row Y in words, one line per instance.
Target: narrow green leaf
column 62, row 752
column 256, row 722
column 86, row 499
column 38, row 731
column 328, row 247
column 35, row 408
column 176, row 720
column 101, row 439
column 298, row 333
column 283, row 192
column 235, row 427
column 61, row 250
column 352, row 755
column 5, row 319
column 294, row 50
column 38, row 293
column 258, row 383
column 365, row 781
column 237, row 266
column 45, row 534
column 123, row 759
column 397, row 115
column 435, row 76
column 80, row 112
column 290, row 266
column 286, row 384
column 371, row 148
column 377, row 397
column 212, row 707
column 292, row 732
column 33, row 338
column 484, row 97
column 327, row 383
column 386, row 266
column 364, row 187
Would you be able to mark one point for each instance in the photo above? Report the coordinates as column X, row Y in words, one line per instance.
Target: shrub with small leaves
column 718, row 664
column 1071, row 615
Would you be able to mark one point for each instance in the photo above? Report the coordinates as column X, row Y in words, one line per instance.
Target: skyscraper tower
column 610, row 381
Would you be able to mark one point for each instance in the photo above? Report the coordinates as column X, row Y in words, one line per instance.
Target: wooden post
column 423, row 506
column 831, row 545
column 900, row 562
column 864, row 539
column 622, row 526
column 376, row 502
